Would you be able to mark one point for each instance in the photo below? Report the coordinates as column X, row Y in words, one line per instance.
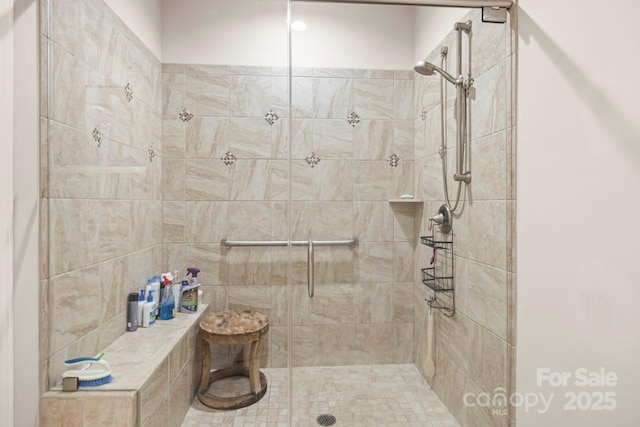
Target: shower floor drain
column 326, row 420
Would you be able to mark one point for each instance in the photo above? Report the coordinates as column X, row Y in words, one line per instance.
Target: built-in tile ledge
column 135, row 356
column 414, row 201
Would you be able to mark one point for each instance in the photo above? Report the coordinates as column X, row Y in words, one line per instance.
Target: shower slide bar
column 310, row 244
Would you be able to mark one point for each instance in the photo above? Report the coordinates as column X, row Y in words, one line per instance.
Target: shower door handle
column 310, row 278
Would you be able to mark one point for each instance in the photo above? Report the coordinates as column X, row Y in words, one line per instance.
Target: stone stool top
column 234, row 326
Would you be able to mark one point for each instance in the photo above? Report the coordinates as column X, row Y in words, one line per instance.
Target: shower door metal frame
column 442, row 3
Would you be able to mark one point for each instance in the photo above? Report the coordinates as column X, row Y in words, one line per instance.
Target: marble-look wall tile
column 489, row 107
column 250, row 70
column 302, row 97
column 257, row 220
column 373, row 344
column 173, row 179
column 207, row 137
column 486, row 297
column 174, row 68
column 206, row 180
column 373, row 302
column 250, row 96
column 160, row 415
column 403, row 268
column 489, row 165
column 257, row 266
column 403, row 343
column 403, row 139
column 373, row 180
column 180, row 395
column 278, row 347
column 174, row 88
column 332, row 180
column 488, row 360
column 250, row 138
column 209, row 257
column 59, row 412
column 150, row 395
column 173, row 137
column 69, row 295
column 404, row 179
column 43, row 334
column 112, row 276
column 259, row 180
column 373, row 221
column 374, row 262
column 334, row 264
column 373, row 99
column 118, row 409
column 512, row 309
column 403, row 100
column 373, row 74
column 333, row 139
column 205, row 222
column 207, row 94
column 488, row 47
column 333, row 72
column 374, row 140
column 279, row 102
column 173, row 222
column 206, row 69
column 333, row 98
column 403, row 303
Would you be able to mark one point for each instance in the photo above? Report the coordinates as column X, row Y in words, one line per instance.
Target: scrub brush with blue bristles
column 90, row 371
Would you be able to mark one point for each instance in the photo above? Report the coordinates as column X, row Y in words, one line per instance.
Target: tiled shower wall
column 474, row 349
column 225, row 174
column 101, row 231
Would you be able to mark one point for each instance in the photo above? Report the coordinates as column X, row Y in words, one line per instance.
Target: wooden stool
column 233, row 327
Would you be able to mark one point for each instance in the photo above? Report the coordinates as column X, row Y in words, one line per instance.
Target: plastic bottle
column 149, row 312
column 167, row 308
column 193, row 271
column 141, row 302
column 189, row 299
column 132, row 312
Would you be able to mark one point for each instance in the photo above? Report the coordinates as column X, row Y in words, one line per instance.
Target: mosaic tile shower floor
column 369, row 395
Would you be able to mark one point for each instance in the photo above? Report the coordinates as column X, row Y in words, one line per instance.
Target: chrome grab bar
column 352, row 242
column 310, row 278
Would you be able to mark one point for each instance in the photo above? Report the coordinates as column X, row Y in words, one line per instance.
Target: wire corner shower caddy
column 440, row 281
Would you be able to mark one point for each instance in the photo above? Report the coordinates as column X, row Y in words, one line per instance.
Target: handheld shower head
column 426, row 68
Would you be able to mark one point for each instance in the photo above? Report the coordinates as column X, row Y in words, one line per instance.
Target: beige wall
column 105, row 228
column 254, row 32
column 144, row 18
column 6, row 220
column 362, row 292
column 579, row 132
column 472, row 348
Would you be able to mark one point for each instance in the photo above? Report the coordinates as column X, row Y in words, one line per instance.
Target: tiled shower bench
column 156, row 372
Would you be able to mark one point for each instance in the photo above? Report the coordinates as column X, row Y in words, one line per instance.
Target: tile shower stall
column 217, row 151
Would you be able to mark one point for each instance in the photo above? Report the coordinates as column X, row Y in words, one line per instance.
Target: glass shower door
column 351, row 153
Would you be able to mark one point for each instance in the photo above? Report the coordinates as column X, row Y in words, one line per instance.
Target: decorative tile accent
column 271, row 117
column 423, row 116
column 393, row 160
column 97, row 136
column 312, row 160
column 442, row 151
column 128, row 92
column 353, row 119
column 229, row 159
column 152, row 154
column 185, row 115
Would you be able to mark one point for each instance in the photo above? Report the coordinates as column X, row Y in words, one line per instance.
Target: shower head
column 426, row 68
